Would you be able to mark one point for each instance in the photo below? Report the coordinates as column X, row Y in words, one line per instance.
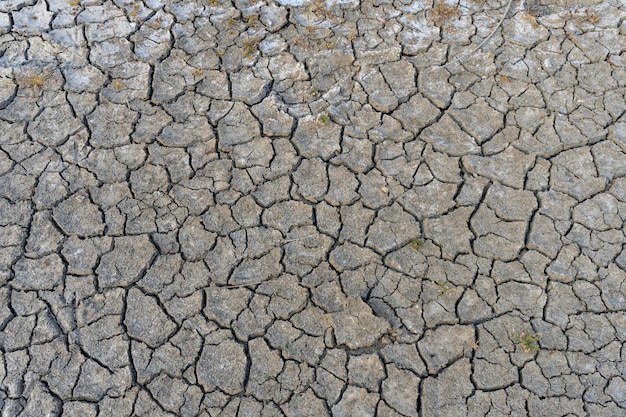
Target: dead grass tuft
column 34, row 81
column 441, row 13
column 117, row 84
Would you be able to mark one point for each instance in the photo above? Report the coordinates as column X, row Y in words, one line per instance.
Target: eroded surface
column 296, row 208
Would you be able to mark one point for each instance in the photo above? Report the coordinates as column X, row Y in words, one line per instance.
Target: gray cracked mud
column 293, row 208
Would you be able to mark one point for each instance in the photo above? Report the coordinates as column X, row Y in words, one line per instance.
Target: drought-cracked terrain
column 386, row 208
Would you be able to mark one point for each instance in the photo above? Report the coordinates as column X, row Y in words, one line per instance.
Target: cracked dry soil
column 307, row 208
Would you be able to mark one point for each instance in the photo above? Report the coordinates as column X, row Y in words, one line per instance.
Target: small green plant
column 313, row 91
column 249, row 46
column 444, row 287
column 529, row 341
column 417, row 243
column 323, row 118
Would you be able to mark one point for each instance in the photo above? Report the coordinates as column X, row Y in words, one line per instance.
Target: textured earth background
column 299, row 208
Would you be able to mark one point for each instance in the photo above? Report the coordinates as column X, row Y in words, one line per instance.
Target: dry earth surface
column 309, row 208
